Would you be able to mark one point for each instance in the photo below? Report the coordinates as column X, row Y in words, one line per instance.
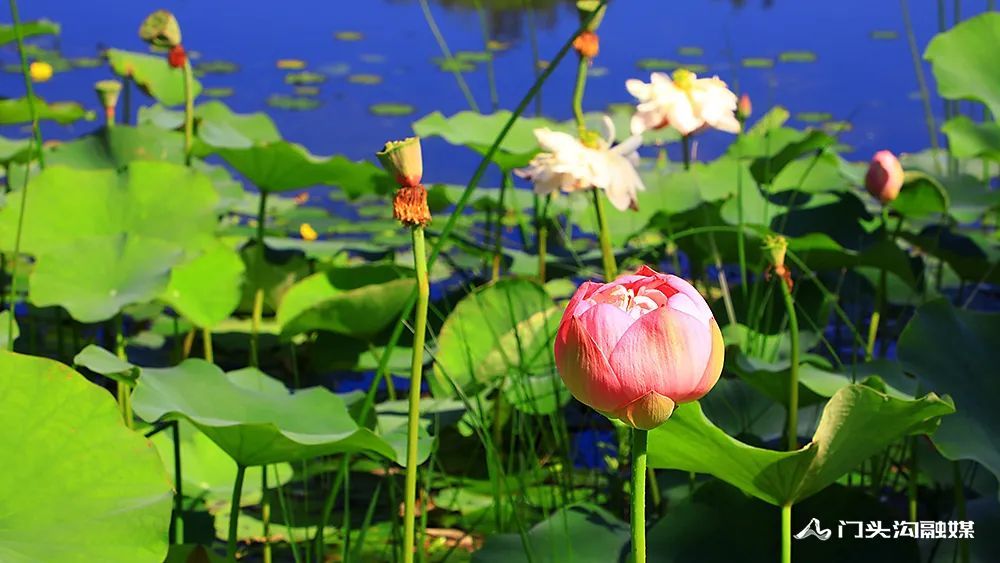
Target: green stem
column 124, row 391
column 604, row 235
column 542, row 234
column 639, row 438
column 127, row 101
column 911, row 484
column 234, row 509
column 206, row 336
column 740, row 237
column 792, row 424
column 265, row 514
column 258, row 298
column 786, row 533
column 188, row 111
column 925, row 95
column 178, row 530
column 416, row 371
column 505, row 186
column 581, row 83
column 686, row 151
column 880, row 296
column 443, row 45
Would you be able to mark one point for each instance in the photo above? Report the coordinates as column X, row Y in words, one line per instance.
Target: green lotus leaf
column 29, row 29
column 216, row 125
column 504, row 329
column 856, row 423
column 280, row 166
column 963, row 62
column 967, row 139
column 257, row 427
column 208, row 289
column 14, row 111
column 60, row 500
column 358, row 301
column 953, row 351
column 117, row 147
column 153, row 74
column 478, row 131
column 922, row 196
column 582, row 533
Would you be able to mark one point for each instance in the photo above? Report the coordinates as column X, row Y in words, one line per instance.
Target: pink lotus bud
column 744, row 108
column 884, row 177
column 636, row 347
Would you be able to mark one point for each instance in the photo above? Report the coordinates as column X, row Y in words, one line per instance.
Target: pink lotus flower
column 636, row 347
column 884, row 177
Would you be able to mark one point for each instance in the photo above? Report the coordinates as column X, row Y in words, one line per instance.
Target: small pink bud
column 884, row 177
column 636, row 347
column 744, row 108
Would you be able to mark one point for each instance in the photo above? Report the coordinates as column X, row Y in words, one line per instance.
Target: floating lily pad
column 298, row 103
column 495, row 45
column 348, row 36
column 290, row 64
column 657, row 64
column 757, row 62
column 474, row 56
column 85, row 62
column 366, row 79
column 59, row 504
column 797, row 57
column 218, row 92
column 216, row 67
column 389, row 109
column 16, row 110
column 29, row 29
column 837, row 127
column 813, row 116
column 306, row 90
column 690, row 51
column 153, row 74
column 884, row 34
column 305, row 77
column 259, row 425
column 453, row 64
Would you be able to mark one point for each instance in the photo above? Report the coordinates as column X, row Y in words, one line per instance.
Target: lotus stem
column 911, row 484
column 542, row 234
column 127, row 100
column 604, row 235
column 581, row 84
column 639, row 439
column 234, row 509
column 786, row 533
column 880, row 296
column 925, row 95
column 792, row 423
column 188, row 111
column 123, row 390
column 265, row 514
column 36, row 135
column 177, row 532
column 258, row 297
column 416, row 371
column 206, row 337
column 505, row 186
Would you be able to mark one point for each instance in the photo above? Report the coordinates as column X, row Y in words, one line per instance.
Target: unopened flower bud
column 587, row 44
column 587, row 7
column 776, row 246
column 884, row 177
column 403, row 160
column 176, row 56
column 107, row 93
column 161, row 29
column 744, row 108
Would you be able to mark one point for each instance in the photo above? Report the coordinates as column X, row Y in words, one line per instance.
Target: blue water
column 869, row 82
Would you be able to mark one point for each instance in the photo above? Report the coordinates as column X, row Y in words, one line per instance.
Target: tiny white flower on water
column 686, row 103
column 569, row 165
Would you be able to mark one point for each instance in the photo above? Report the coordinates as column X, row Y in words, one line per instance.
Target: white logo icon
column 813, row 528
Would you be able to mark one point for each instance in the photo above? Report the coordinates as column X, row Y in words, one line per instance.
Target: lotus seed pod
column 107, row 92
column 161, row 29
column 403, row 160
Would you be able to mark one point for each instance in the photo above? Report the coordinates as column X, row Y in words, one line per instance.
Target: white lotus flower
column 569, row 165
column 686, row 103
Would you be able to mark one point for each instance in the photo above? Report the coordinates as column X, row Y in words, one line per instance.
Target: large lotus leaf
column 96, row 277
column 77, row 486
column 478, row 132
column 504, row 329
column 28, row 29
column 14, row 150
column 856, row 423
column 967, row 139
column 117, row 147
column 766, row 169
column 14, row 111
column 954, row 351
column 972, row 255
column 692, row 528
column 963, row 61
column 256, row 427
column 153, row 200
column 274, row 271
column 819, row 252
column 582, row 533
column 921, row 196
column 357, row 301
column 216, row 125
column 208, row 472
column 153, row 74
column 207, row 290
column 280, row 166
